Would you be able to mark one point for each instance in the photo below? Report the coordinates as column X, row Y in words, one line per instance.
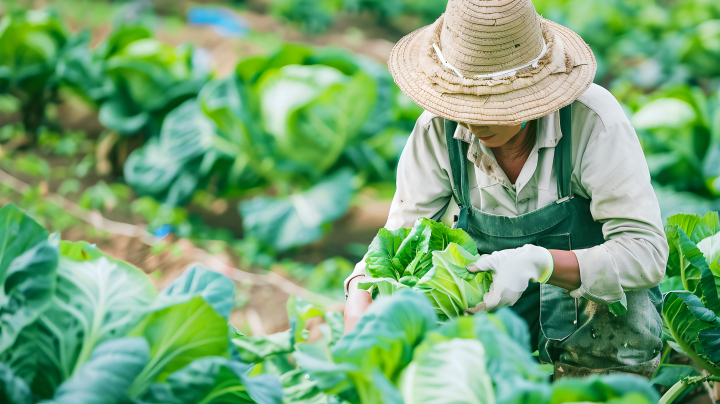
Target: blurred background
column 261, row 136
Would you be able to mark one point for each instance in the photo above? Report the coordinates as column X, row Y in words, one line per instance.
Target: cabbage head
column 431, row 259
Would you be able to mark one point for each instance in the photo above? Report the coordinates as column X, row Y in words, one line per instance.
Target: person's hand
column 358, row 301
column 512, row 270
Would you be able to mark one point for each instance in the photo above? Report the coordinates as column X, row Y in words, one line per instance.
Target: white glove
column 512, row 270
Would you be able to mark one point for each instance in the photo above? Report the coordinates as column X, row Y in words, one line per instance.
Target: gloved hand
column 512, row 270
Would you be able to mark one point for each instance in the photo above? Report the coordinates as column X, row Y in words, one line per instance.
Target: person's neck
column 514, row 153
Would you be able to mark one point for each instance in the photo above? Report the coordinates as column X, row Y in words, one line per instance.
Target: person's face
column 493, row 135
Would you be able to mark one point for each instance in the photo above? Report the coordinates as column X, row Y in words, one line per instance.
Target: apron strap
column 457, row 150
column 563, row 154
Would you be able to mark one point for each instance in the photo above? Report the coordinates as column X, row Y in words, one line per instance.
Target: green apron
column 580, row 337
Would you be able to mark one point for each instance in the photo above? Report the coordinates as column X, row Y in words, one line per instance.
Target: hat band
column 494, row 76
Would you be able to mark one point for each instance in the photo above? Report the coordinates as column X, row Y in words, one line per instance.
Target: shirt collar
column 548, row 135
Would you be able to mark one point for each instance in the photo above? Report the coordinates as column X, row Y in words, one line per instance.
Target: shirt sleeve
column 423, row 184
column 614, row 173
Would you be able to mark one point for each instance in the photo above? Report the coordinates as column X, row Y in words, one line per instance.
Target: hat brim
column 511, row 108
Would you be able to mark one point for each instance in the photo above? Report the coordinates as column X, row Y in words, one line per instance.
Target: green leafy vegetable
column 27, row 273
column 107, row 375
column 31, row 43
column 13, row 390
column 430, row 258
column 95, row 301
column 149, row 78
column 214, row 380
column 311, row 112
column 300, row 219
column 447, row 371
column 691, row 316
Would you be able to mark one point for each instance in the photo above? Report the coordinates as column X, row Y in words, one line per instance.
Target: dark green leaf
column 28, row 261
column 171, row 166
column 13, row 390
column 297, row 220
column 667, row 375
column 214, row 380
column 106, row 376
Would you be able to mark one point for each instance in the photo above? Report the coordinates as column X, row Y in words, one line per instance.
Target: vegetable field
column 186, row 184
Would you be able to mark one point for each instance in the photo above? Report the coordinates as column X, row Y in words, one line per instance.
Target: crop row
column 80, row 327
column 307, row 126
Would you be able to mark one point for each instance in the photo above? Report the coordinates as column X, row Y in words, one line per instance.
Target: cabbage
column 429, row 258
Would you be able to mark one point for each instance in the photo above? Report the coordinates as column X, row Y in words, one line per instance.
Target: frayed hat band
column 494, row 76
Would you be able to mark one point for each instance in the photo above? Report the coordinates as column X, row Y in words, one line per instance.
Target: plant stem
column 679, row 388
column 675, row 391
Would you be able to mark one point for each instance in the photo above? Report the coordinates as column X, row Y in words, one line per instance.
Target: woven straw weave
column 488, row 36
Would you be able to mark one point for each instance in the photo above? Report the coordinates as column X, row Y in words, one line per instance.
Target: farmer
column 549, row 176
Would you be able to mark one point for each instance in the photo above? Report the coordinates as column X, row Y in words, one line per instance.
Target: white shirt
column 609, row 168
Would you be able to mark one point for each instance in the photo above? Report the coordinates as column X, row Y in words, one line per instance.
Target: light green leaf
column 450, row 286
column 298, row 388
column 382, row 251
column 96, row 301
column 448, row 371
column 516, row 375
column 178, row 335
column 365, row 364
column 257, row 348
column 664, row 113
column 215, row 288
column 315, row 359
column 383, row 341
column 299, row 311
column 596, row 389
column 710, row 248
column 384, row 286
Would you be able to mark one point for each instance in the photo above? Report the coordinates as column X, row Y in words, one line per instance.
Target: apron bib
column 579, row 337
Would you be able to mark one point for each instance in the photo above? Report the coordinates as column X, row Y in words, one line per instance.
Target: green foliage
column 300, row 219
column 311, row 112
column 91, row 329
column 691, row 315
column 27, row 263
column 149, row 79
column 680, row 134
column 312, row 16
column 398, row 353
column 31, row 44
column 107, row 338
column 171, row 166
column 430, row 258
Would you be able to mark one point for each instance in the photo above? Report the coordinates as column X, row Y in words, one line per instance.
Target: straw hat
column 492, row 62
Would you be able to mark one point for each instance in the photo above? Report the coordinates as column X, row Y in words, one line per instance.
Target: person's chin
column 489, row 141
